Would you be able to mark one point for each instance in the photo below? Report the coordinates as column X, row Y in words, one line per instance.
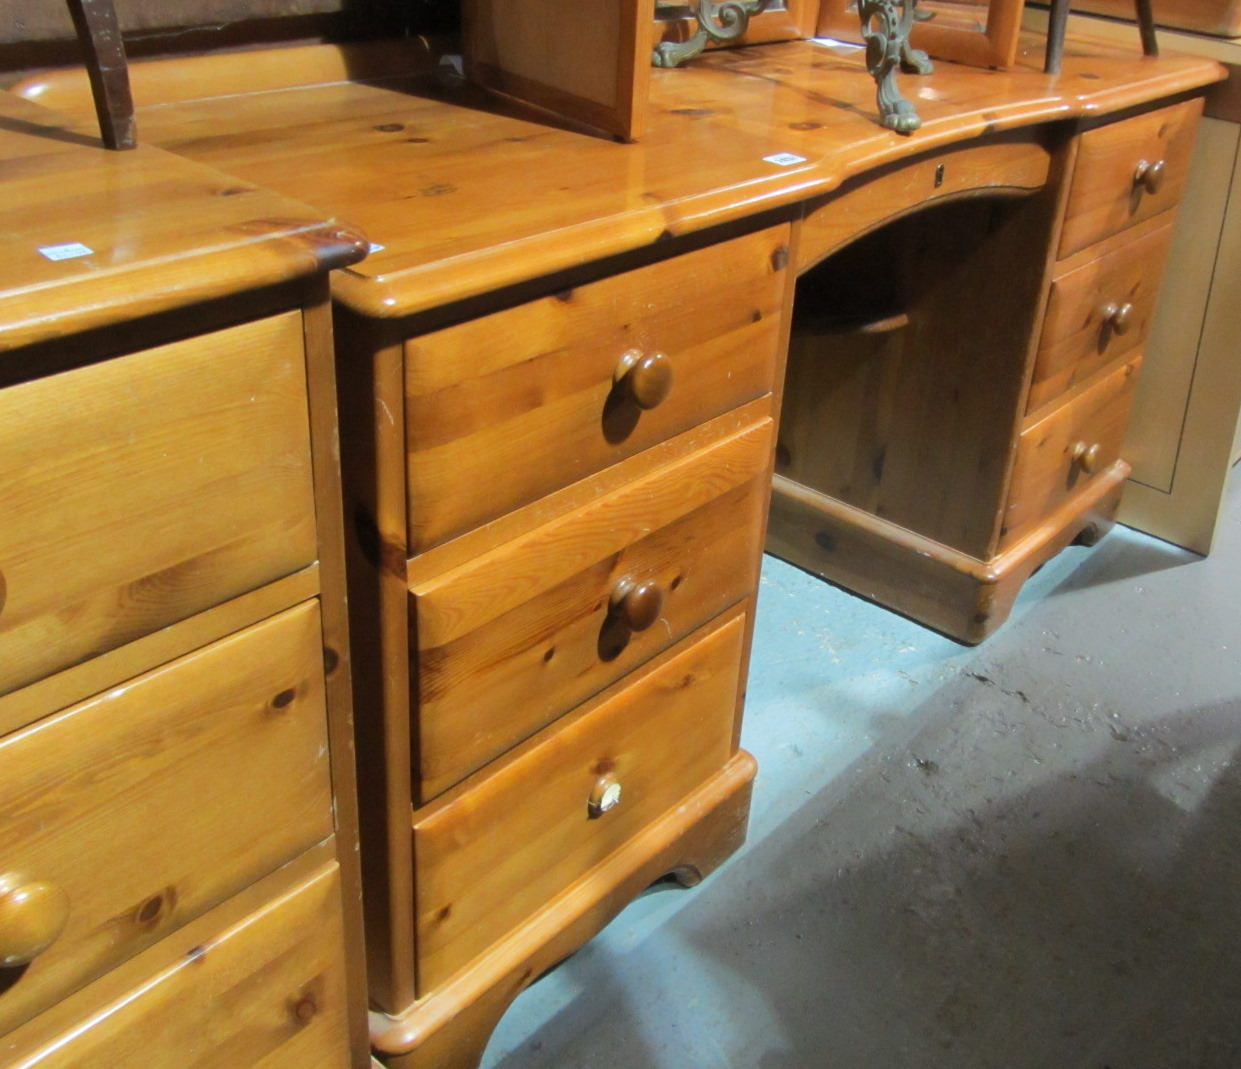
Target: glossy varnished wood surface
column 523, row 634
column 163, row 232
column 543, row 381
column 1098, row 310
column 192, row 462
column 905, row 414
column 266, row 991
column 1106, row 196
column 1047, row 471
column 155, row 801
column 465, row 200
column 659, row 738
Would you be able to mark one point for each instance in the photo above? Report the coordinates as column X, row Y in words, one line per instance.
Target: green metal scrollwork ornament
column 718, row 20
column 885, row 28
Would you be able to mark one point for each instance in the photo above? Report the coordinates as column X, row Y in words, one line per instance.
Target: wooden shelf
column 879, row 323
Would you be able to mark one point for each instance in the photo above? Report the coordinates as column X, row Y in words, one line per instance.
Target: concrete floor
column 1021, row 856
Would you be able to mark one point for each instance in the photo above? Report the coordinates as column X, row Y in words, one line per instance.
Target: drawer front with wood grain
column 131, row 813
column 1128, row 171
column 508, row 407
column 519, row 636
column 140, row 491
column 492, row 856
column 1012, row 164
column 266, row 992
column 1096, row 313
column 1061, row 453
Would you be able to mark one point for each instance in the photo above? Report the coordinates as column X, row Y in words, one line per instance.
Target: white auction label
column 66, row 252
column 784, row 159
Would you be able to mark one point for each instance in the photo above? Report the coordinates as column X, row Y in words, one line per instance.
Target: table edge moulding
column 561, row 375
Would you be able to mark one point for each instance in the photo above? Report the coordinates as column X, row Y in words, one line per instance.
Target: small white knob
column 605, row 795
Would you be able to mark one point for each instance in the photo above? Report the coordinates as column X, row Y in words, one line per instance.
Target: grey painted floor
column 1021, row 856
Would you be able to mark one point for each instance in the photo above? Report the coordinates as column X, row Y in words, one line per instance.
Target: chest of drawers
column 1126, row 184
column 558, row 533
column 177, row 882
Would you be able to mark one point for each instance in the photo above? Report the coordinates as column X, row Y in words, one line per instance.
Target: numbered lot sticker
column 66, row 252
column 784, row 159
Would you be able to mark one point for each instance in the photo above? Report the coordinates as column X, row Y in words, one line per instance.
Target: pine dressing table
column 561, row 371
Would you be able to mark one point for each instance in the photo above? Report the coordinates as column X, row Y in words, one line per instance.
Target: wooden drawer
column 1107, row 194
column 487, row 859
column 150, row 804
column 1013, row 163
column 1060, row 454
column 267, row 991
column 519, row 636
column 1096, row 313
column 506, row 408
column 138, row 492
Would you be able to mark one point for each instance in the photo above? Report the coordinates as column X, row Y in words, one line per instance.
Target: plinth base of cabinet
column 450, row 1027
column 942, row 588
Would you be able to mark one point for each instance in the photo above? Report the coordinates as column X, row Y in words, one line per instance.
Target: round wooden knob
column 1086, row 456
column 1119, row 317
column 638, row 605
column 647, row 377
column 605, row 795
column 33, row 913
column 1149, row 175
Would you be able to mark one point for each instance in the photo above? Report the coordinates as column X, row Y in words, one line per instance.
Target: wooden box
column 587, row 60
column 590, row 60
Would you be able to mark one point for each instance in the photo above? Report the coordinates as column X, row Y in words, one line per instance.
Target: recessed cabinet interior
column 906, row 367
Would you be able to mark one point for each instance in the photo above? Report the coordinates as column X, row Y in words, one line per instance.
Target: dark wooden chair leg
column 1146, row 26
column 100, row 34
column 1058, row 19
column 1057, row 22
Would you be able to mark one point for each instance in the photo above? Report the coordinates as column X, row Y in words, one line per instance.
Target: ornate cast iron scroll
column 718, row 20
column 885, row 28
